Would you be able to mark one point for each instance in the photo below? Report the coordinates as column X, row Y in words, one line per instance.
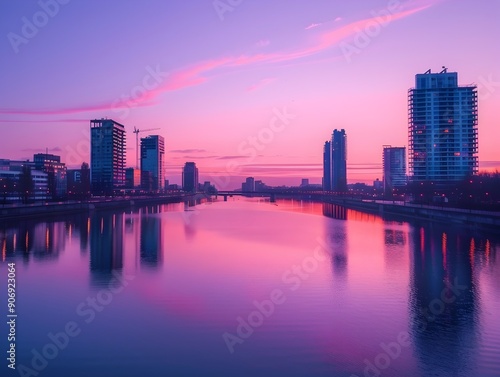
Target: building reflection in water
column 130, row 220
column 396, row 249
column 32, row 240
column 394, row 237
column 442, row 320
column 151, row 245
column 189, row 217
column 82, row 229
column 106, row 246
column 334, row 211
column 336, row 237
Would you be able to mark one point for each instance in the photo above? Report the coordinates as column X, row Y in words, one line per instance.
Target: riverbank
column 38, row 210
column 405, row 211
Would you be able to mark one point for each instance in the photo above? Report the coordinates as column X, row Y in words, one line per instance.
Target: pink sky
column 211, row 82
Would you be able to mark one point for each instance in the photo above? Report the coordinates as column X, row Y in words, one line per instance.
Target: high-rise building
column 260, row 186
column 327, row 166
column 107, row 156
column 335, row 162
column 152, row 154
column 339, row 161
column 56, row 173
column 394, row 165
column 190, row 177
column 442, row 129
column 248, row 185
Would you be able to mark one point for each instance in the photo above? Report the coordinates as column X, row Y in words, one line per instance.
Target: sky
column 241, row 87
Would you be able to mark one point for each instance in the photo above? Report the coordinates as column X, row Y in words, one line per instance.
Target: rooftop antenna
column 445, row 70
column 427, row 72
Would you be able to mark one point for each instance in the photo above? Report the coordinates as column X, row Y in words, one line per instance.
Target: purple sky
column 251, row 89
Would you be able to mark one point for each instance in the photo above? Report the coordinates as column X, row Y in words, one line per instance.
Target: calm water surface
column 341, row 293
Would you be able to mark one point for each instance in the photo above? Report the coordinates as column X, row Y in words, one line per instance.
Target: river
column 251, row 288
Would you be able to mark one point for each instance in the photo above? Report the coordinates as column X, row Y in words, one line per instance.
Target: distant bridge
column 304, row 194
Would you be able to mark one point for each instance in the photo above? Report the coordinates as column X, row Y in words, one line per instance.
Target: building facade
column 248, row 185
column 56, row 173
column 190, row 177
column 394, row 167
column 327, row 166
column 12, row 184
column 335, row 162
column 132, row 178
column 79, row 182
column 152, row 155
column 107, row 156
column 442, row 129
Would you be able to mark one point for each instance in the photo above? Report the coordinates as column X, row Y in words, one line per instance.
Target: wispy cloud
column 312, row 26
column 43, row 150
column 187, row 151
column 231, row 157
column 198, row 157
column 105, row 106
column 45, row 121
column 263, row 43
column 201, row 72
column 262, row 83
column 489, row 164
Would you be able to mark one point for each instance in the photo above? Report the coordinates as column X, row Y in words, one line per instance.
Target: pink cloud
column 312, row 26
column 201, row 72
column 262, row 83
column 45, row 121
column 263, row 43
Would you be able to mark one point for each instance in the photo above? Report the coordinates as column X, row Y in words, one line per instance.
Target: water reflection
column 335, row 211
column 444, row 300
column 151, row 244
column 80, row 228
column 189, row 218
column 336, row 234
column 383, row 277
column 394, row 237
column 30, row 240
column 106, row 245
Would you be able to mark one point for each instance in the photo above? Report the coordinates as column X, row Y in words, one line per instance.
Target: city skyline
column 207, row 102
column 250, row 188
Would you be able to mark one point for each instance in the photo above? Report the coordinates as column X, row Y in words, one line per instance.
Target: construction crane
column 136, row 132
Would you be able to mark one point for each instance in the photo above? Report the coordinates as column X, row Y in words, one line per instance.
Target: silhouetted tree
column 423, row 192
column 7, row 187
column 85, row 180
column 26, row 185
